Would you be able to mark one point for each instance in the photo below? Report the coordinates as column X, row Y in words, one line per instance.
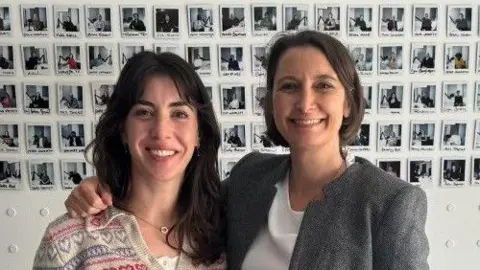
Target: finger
column 83, row 208
column 87, row 196
column 70, row 211
column 105, row 194
column 74, row 210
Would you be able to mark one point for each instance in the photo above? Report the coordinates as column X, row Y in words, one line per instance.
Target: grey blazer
column 368, row 219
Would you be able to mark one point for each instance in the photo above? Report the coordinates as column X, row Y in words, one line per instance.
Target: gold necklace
column 163, row 229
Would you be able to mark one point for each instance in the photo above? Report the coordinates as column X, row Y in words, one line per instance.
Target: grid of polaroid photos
column 417, row 65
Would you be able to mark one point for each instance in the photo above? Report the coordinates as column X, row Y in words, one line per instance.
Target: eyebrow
column 321, row 77
column 173, row 104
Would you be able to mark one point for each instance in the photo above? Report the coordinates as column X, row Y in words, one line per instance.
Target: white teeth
column 308, row 122
column 162, row 153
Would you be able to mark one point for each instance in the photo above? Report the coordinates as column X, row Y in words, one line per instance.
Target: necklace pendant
column 164, row 230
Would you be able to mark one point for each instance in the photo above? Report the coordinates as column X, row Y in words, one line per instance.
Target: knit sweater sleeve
column 48, row 255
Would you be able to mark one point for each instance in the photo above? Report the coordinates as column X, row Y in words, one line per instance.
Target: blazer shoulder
column 256, row 163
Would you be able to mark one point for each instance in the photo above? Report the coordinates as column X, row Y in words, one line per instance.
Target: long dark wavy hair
column 198, row 206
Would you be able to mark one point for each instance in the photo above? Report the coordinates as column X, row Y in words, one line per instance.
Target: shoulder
column 62, row 227
column 256, row 163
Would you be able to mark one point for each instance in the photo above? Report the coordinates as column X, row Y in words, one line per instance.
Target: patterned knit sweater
column 110, row 240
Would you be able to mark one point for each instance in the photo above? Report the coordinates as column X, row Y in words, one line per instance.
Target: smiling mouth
column 162, row 153
column 306, row 122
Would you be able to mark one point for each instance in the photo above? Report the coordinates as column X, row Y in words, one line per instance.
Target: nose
column 161, row 127
column 306, row 100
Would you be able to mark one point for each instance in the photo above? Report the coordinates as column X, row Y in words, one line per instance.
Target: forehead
column 305, row 60
column 160, row 88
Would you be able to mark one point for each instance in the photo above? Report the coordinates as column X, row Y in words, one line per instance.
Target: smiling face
column 308, row 99
column 161, row 132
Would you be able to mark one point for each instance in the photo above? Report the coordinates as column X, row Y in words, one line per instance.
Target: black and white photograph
column 457, row 59
column 390, row 98
column 171, row 48
column 35, row 20
column 234, row 137
column 265, row 20
column 9, row 135
column 200, row 57
column 260, row 140
column 422, row 135
column 69, row 60
column 101, row 91
column 453, row 171
column 422, row 59
column 10, row 174
column 459, row 20
column 364, row 57
column 7, row 61
column 100, row 59
column 392, row 21
column 209, row 89
column 41, row 174
column 390, row 59
column 73, row 172
column 362, row 140
column 259, row 92
column 454, row 135
column 5, row 21
column 232, row 21
column 476, row 142
column 35, row 59
column 327, row 19
column 227, row 165
column 389, row 137
column 295, row 17
column 72, row 137
column 67, row 21
column 8, row 98
column 39, row 138
column 201, row 20
column 392, row 166
column 454, row 97
column 127, row 51
column 36, row 99
column 230, row 60
column 360, row 20
column 166, row 22
column 420, row 171
column 425, row 20
column 423, row 97
column 259, row 60
column 477, row 97
column 368, row 97
column 70, row 99
column 475, row 170
column 133, row 21
column 233, row 99
column 99, row 21
column 478, row 56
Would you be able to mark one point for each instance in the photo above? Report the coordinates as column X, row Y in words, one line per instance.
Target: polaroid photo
column 5, row 21
column 133, row 21
column 98, row 20
column 70, row 99
column 362, row 140
column 7, row 60
column 212, row 95
column 476, row 142
column 327, row 19
column 475, row 171
column 360, row 21
column 459, row 20
column 167, row 22
column 260, row 140
column 423, row 97
column 36, row 99
column 423, row 58
column 454, row 135
column 390, row 98
column 368, row 97
column 425, row 20
column 258, row 99
column 35, row 59
column 232, row 21
column 200, row 57
column 420, row 171
column 72, row 137
column 9, row 135
column 454, row 97
column 35, row 20
column 67, row 21
column 101, row 92
column 295, row 17
column 389, row 137
column 392, row 166
column 100, row 59
column 171, row 48
column 127, row 51
column 457, row 58
column 422, row 137
column 231, row 61
column 10, row 174
column 69, row 59
column 39, row 138
column 233, row 99
column 201, row 21
column 453, row 171
column 73, row 172
column 477, row 97
column 8, row 98
column 226, row 166
column 392, row 21
column 266, row 19
column 41, row 174
column 478, row 56
column 364, row 57
column 259, row 60
column 390, row 59
column 234, row 139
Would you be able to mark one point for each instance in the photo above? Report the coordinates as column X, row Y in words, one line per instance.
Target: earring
column 125, row 148
column 197, row 151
